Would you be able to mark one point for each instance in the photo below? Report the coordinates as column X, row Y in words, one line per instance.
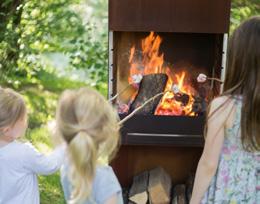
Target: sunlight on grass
column 50, row 188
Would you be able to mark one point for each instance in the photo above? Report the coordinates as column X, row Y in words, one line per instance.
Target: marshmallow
column 175, row 89
column 137, row 78
column 201, row 78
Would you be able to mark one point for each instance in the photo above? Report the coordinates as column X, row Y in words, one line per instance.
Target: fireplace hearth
column 157, row 49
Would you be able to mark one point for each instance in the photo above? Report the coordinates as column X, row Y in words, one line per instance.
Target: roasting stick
column 140, row 107
column 115, row 96
column 203, row 78
column 215, row 79
column 136, row 78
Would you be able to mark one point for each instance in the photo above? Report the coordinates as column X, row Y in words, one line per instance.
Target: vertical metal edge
column 110, row 63
column 224, row 60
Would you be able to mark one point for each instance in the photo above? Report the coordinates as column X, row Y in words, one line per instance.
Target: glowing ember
column 178, row 98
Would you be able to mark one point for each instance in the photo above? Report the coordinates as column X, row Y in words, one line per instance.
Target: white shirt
column 19, row 165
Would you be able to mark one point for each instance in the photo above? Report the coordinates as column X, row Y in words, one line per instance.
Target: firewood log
column 179, row 196
column 125, row 193
column 151, row 85
column 159, row 187
column 182, row 97
column 138, row 193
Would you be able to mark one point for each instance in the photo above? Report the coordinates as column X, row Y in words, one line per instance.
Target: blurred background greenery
column 51, row 45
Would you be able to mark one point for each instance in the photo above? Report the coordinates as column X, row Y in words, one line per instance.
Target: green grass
column 50, row 190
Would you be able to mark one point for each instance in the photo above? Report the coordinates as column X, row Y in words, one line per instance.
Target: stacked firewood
column 155, row 187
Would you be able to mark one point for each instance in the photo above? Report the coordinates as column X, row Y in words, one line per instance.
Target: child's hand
column 56, row 138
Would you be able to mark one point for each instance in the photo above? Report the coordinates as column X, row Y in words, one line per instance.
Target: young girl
column 89, row 125
column 229, row 168
column 20, row 162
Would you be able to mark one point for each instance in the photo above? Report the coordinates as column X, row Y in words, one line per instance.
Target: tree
column 243, row 9
column 10, row 18
column 30, row 28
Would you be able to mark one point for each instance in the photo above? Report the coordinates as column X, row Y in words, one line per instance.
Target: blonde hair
column 12, row 108
column 89, row 125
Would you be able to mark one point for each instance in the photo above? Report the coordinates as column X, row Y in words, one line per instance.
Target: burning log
column 179, row 195
column 199, row 106
column 151, row 85
column 138, row 192
column 183, row 98
column 159, row 187
column 179, row 96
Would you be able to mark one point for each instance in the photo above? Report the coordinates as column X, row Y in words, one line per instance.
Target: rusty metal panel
column 195, row 16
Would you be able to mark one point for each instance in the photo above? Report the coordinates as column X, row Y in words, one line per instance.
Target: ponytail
column 89, row 124
column 83, row 157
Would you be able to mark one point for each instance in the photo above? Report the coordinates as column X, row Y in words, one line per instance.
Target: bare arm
column 213, row 144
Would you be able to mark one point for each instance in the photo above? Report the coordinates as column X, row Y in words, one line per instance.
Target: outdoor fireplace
column 157, row 49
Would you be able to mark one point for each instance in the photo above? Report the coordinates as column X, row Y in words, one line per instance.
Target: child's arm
column 36, row 162
column 213, row 144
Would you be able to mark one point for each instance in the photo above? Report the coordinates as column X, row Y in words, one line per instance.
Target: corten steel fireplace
column 167, row 44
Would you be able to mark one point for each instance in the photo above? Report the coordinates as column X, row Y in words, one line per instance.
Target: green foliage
column 41, row 106
column 243, row 9
column 50, row 189
column 31, row 28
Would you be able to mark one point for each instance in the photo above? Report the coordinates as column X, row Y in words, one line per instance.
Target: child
column 229, row 168
column 20, row 162
column 89, row 125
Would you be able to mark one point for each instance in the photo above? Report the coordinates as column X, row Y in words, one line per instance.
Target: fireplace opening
column 160, row 70
column 166, row 65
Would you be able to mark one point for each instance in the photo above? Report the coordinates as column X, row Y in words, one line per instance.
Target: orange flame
column 152, row 62
column 169, row 105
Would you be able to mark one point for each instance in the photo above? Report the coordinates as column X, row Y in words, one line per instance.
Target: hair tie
column 80, row 130
column 83, row 130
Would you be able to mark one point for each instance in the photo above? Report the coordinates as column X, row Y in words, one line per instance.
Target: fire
column 151, row 61
column 176, row 103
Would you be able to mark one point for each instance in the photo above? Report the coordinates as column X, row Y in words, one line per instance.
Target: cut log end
column 159, row 186
column 138, row 192
column 179, row 194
